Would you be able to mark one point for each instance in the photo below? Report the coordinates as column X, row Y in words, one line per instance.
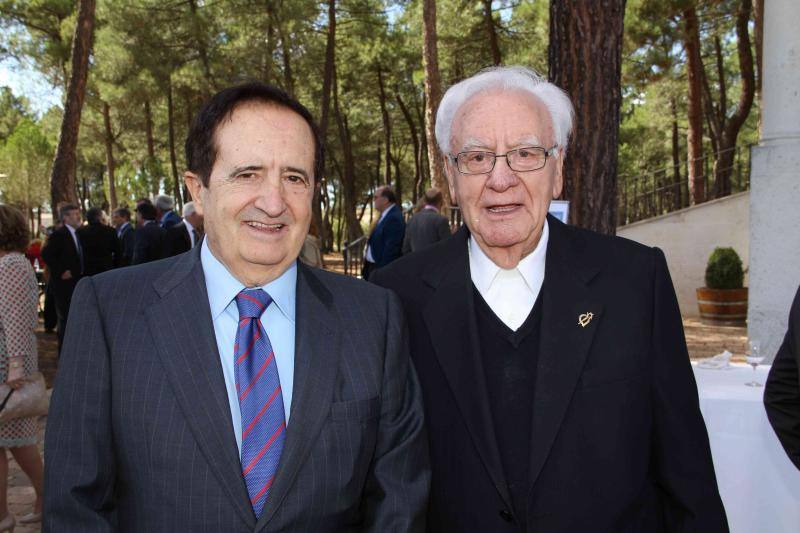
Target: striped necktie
column 260, row 399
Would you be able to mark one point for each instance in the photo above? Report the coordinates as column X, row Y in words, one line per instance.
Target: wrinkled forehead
column 514, row 115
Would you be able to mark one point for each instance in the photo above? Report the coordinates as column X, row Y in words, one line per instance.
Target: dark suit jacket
column 60, row 254
column 782, row 394
column 618, row 442
column 149, row 244
column 386, row 240
column 101, row 248
column 140, row 436
column 170, row 219
column 127, row 245
column 177, row 240
column 425, row 228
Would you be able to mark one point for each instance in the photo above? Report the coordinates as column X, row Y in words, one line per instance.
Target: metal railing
column 353, row 253
column 657, row 192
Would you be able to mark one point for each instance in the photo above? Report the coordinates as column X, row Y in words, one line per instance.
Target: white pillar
column 775, row 181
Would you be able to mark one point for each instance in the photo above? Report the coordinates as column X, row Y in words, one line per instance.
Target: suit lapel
column 451, row 309
column 316, row 362
column 190, row 357
column 566, row 336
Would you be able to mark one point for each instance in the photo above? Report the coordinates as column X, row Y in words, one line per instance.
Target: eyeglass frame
column 549, row 152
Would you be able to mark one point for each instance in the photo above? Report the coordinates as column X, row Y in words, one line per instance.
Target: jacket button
column 506, row 515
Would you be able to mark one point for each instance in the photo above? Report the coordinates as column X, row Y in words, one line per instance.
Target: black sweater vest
column 509, row 362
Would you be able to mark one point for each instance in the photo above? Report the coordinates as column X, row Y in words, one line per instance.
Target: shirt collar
column 222, row 287
column 386, row 212
column 188, row 225
column 71, row 229
column 483, row 271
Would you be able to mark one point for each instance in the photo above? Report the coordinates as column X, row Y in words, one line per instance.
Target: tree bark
column 758, row 37
column 694, row 136
column 585, row 58
column 109, row 138
column 173, row 160
column 491, row 32
column 348, row 178
column 327, row 84
column 678, row 186
column 387, row 129
column 412, row 128
column 62, row 177
column 433, row 95
column 148, row 125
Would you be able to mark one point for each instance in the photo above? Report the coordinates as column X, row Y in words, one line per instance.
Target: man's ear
column 558, row 181
column 449, row 173
column 195, row 185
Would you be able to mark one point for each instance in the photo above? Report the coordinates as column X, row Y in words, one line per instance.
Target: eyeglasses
column 523, row 159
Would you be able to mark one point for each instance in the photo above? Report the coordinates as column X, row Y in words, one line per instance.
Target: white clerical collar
column 483, row 270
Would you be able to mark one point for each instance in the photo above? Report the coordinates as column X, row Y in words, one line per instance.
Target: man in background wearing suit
column 244, row 391
column 149, row 236
column 386, row 240
column 121, row 218
column 782, row 393
column 557, row 386
column 427, row 226
column 165, row 216
column 63, row 255
column 186, row 234
column 101, row 248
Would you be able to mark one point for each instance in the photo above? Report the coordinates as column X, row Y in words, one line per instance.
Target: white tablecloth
column 759, row 486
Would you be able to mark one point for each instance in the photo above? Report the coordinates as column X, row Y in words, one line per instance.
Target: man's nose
column 271, row 197
column 501, row 177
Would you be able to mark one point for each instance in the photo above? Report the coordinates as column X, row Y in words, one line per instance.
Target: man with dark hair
column 121, row 218
column 101, row 249
column 386, row 239
column 149, row 236
column 244, row 391
column 63, row 254
column 427, row 226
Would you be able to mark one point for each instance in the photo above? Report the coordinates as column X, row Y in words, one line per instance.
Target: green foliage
column 724, row 270
column 25, row 159
column 12, row 110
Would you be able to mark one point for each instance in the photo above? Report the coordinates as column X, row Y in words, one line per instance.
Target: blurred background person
column 386, row 239
column 121, row 219
column 311, row 252
column 149, row 240
column 186, row 234
column 165, row 216
column 101, row 248
column 64, row 256
column 427, row 226
column 19, row 297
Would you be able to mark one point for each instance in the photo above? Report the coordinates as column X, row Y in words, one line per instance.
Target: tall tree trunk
column 327, row 85
column 109, row 138
column 758, row 37
column 387, row 129
column 412, row 128
column 349, row 174
column 148, row 129
column 286, row 55
column 585, row 57
column 433, row 94
column 491, row 32
column 678, row 187
column 62, row 177
column 173, row 160
column 723, row 166
column 694, row 136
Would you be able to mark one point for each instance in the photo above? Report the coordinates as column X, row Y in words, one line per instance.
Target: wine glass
column 754, row 357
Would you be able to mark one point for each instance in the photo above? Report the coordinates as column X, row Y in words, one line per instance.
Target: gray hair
column 521, row 78
column 164, row 202
column 188, row 209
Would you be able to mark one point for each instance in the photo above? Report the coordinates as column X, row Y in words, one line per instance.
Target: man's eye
column 246, row 175
column 524, row 153
column 296, row 178
column 476, row 157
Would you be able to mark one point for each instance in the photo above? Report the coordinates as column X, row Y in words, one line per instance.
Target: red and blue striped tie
column 260, row 399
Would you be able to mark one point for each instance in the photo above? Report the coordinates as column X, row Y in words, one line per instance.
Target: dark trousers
column 367, row 269
column 50, row 315
column 63, row 296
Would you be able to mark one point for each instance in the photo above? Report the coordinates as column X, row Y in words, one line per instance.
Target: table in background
column 759, row 486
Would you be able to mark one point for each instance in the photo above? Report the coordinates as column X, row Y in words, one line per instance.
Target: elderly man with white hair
column 186, row 234
column 557, row 385
column 164, row 211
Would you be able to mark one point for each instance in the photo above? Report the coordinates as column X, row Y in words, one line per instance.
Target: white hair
column 521, row 78
column 164, row 202
column 188, row 209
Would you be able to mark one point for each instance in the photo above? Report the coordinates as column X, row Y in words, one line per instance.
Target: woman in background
column 18, row 357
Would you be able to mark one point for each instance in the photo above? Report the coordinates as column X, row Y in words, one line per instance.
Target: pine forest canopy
column 358, row 65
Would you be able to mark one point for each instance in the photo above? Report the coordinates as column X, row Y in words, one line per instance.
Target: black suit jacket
column 782, row 394
column 386, row 240
column 61, row 254
column 149, row 244
column 425, row 228
column 177, row 240
column 618, row 442
column 127, row 245
column 101, row 248
column 140, row 436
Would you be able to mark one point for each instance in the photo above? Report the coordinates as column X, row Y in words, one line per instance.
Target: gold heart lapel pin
column 584, row 319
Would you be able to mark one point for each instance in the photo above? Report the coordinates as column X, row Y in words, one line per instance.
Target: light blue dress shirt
column 278, row 321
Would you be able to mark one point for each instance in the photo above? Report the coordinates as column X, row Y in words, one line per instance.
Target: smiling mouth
column 502, row 209
column 263, row 227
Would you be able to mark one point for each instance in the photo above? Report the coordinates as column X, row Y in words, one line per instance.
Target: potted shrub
column 723, row 301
